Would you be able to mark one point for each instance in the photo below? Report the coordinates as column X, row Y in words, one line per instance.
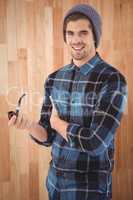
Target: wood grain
column 31, row 47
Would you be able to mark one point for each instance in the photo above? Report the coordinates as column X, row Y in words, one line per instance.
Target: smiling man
column 80, row 39
column 82, row 108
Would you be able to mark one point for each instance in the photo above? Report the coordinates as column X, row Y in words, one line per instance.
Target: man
column 89, row 97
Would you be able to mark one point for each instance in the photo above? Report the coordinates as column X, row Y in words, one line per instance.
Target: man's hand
column 20, row 122
column 57, row 123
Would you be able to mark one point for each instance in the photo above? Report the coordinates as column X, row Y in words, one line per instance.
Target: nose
column 76, row 39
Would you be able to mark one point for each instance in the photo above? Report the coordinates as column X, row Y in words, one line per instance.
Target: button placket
column 75, row 85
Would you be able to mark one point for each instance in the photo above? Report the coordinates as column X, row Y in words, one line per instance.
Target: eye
column 69, row 33
column 83, row 33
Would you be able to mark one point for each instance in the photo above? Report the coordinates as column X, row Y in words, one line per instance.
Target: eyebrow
column 81, row 31
column 84, row 30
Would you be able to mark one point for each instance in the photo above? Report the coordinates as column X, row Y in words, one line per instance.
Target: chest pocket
column 61, row 100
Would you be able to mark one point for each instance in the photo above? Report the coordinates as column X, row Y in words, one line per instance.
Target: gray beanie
column 92, row 15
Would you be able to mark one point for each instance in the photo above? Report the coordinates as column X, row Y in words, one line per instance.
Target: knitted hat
column 92, row 15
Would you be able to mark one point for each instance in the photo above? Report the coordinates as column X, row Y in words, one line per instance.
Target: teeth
column 77, row 48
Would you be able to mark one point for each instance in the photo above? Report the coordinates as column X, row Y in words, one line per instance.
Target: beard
column 78, row 55
column 81, row 52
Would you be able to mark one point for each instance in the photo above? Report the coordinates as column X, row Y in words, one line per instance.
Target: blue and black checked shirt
column 92, row 100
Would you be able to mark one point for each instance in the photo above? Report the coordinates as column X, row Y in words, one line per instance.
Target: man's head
column 84, row 11
column 82, row 31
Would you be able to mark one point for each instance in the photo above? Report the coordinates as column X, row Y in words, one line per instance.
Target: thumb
column 11, row 122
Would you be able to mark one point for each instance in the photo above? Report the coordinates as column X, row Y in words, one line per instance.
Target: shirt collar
column 87, row 66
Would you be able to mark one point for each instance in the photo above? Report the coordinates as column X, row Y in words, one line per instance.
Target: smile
column 77, row 48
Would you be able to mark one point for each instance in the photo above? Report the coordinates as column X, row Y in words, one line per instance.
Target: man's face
column 80, row 40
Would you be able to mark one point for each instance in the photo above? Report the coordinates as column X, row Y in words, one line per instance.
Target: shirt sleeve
column 45, row 118
column 105, row 118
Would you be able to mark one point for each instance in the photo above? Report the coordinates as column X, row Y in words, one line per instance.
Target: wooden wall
column 31, row 46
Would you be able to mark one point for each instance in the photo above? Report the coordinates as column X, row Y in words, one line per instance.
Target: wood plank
column 4, row 142
column 3, row 31
column 11, row 31
column 31, row 47
column 3, row 69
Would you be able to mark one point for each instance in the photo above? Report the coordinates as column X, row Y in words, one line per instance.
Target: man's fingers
column 25, row 123
column 19, row 120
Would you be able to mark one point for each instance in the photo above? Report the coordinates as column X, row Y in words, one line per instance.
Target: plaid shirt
column 92, row 100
